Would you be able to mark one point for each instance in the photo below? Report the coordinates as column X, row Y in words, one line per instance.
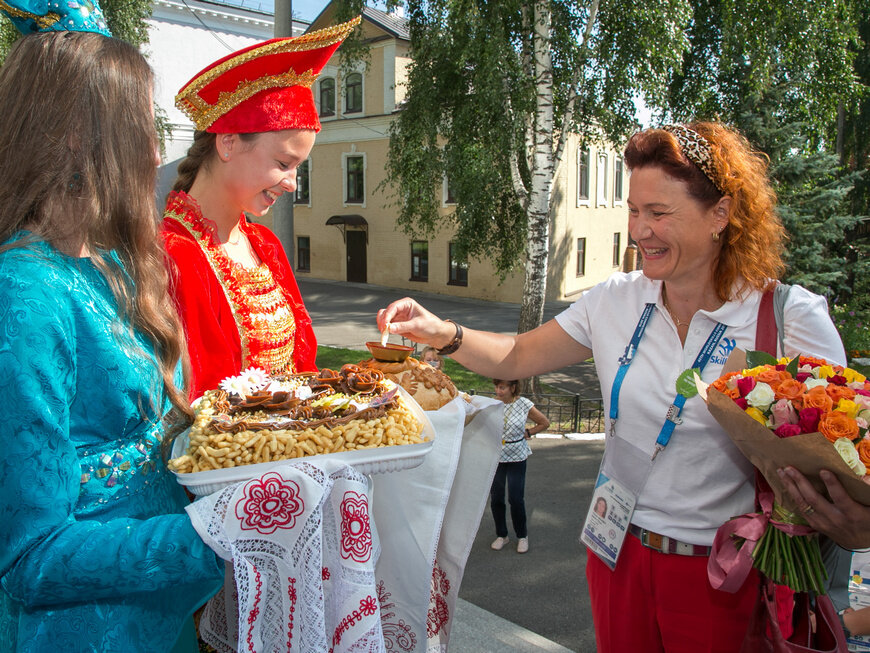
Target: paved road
column 509, row 603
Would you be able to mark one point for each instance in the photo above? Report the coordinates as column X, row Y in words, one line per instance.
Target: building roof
column 394, row 24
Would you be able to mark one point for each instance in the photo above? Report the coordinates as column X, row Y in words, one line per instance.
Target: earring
column 715, row 236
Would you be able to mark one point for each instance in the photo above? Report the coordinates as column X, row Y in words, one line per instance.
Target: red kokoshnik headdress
column 264, row 87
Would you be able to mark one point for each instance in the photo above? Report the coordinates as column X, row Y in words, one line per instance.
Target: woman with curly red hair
column 702, row 213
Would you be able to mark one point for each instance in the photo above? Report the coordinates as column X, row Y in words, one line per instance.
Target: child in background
column 431, row 357
column 512, row 463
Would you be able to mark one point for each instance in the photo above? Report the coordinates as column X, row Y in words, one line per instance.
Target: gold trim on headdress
column 44, row 22
column 203, row 114
column 697, row 150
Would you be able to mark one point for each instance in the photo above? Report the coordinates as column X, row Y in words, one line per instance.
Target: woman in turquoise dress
column 96, row 550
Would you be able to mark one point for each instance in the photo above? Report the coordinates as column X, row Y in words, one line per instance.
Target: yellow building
column 345, row 226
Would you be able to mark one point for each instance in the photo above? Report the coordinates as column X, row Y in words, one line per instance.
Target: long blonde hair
column 78, row 170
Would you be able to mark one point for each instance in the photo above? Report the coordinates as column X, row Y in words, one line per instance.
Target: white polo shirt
column 701, row 479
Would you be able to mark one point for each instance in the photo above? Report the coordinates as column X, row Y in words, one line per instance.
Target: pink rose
column 741, row 401
column 808, row 419
column 745, row 385
column 783, row 412
column 787, row 430
column 866, row 393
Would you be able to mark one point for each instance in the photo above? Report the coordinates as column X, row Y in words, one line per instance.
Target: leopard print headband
column 697, row 150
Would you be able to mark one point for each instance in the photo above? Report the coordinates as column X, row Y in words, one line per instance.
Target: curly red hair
column 754, row 240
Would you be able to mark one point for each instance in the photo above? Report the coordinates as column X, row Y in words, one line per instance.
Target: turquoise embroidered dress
column 96, row 551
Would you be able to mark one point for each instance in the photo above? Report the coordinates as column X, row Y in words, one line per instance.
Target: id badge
column 608, row 519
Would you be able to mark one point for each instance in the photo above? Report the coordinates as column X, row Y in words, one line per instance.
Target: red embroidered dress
column 234, row 317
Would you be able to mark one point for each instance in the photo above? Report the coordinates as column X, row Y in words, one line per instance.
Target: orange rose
column 838, row 425
column 790, row 389
column 863, row 448
column 772, row 377
column 837, row 392
column 815, row 362
column 818, row 398
column 720, row 383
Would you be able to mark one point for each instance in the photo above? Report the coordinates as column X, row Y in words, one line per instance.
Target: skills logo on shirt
column 723, row 351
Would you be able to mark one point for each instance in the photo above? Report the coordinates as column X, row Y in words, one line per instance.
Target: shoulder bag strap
column 766, row 327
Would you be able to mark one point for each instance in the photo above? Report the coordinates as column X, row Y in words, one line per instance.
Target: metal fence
column 568, row 413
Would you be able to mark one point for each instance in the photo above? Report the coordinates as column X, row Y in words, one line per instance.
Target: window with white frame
column 327, row 96
column 581, row 257
column 303, row 183
column 617, row 180
column 617, row 249
column 355, row 183
column 353, row 93
column 582, row 176
column 601, row 179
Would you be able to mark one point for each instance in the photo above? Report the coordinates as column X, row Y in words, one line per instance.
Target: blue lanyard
column 676, row 408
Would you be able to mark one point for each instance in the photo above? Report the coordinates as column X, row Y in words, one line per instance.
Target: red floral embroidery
column 269, row 503
column 291, row 595
column 255, row 611
column 368, row 606
column 397, row 636
column 356, row 532
column 439, row 611
column 324, row 574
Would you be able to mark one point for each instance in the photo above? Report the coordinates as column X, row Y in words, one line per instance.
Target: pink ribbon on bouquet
column 728, row 566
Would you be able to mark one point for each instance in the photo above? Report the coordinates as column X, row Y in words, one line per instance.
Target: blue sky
column 308, row 9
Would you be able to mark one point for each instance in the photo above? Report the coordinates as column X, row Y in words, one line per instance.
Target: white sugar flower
column 235, row 385
column 255, row 378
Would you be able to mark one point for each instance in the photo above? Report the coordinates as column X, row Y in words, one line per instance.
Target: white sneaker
column 499, row 542
column 523, row 545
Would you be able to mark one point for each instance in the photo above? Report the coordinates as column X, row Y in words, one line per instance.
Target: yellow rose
column 849, row 407
column 757, row 415
column 754, row 370
column 824, row 371
column 853, row 376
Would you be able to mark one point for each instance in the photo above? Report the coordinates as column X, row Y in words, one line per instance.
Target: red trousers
column 663, row 603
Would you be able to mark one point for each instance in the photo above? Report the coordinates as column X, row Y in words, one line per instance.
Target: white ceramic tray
column 378, row 460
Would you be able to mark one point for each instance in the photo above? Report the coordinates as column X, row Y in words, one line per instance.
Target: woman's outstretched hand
column 843, row 519
column 406, row 318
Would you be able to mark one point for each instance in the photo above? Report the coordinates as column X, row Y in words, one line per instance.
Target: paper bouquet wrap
column 809, row 453
column 804, row 413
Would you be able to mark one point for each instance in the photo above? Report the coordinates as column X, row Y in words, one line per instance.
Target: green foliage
column 854, row 328
column 470, row 104
column 741, row 48
column 812, row 189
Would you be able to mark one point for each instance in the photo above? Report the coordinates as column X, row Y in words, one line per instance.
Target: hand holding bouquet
column 803, row 413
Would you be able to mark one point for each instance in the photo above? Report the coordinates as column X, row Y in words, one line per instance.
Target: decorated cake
column 254, row 418
column 430, row 388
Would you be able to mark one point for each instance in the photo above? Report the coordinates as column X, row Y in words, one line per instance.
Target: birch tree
column 493, row 93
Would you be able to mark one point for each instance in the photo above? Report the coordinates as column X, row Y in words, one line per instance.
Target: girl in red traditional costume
column 255, row 123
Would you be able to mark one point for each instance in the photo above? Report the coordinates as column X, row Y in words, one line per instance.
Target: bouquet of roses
column 802, row 412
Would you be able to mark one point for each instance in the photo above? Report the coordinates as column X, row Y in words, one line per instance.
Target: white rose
column 850, row 456
column 812, row 383
column 761, row 396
